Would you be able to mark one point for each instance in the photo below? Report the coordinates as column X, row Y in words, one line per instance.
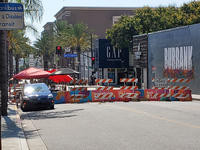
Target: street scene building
column 100, row 78
column 174, row 53
column 98, row 20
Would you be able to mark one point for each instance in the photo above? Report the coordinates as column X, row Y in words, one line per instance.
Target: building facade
column 98, row 20
column 174, row 53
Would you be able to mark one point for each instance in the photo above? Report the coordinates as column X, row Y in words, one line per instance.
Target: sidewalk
column 12, row 132
column 18, row 134
column 195, row 97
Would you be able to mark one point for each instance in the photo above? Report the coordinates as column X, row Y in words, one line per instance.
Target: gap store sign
column 111, row 57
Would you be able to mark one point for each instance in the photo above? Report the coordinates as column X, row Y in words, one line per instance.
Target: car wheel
column 23, row 107
column 52, row 107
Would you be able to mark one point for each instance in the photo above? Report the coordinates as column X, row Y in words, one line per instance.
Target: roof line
column 93, row 8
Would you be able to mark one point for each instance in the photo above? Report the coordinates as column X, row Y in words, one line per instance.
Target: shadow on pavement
column 37, row 115
column 10, row 126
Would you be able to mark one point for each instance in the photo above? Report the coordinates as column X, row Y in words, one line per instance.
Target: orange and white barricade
column 179, row 88
column 180, row 92
column 158, row 96
column 102, row 81
column 105, row 88
column 129, row 88
column 129, row 95
column 79, row 89
column 179, row 80
column 104, row 96
column 160, row 88
column 128, row 80
column 79, row 82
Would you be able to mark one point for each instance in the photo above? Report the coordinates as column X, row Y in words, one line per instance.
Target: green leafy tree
column 34, row 11
column 19, row 45
column 148, row 20
column 76, row 37
column 44, row 47
column 191, row 12
column 154, row 19
column 121, row 33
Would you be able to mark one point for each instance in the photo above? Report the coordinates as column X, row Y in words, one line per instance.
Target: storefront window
column 111, row 74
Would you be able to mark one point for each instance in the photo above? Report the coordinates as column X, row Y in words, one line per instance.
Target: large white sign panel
column 178, row 62
column 11, row 16
column 178, row 58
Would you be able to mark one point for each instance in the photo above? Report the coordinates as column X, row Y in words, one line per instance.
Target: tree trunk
column 11, row 63
column 73, row 61
column 79, row 61
column 3, row 73
column 17, row 64
column 45, row 60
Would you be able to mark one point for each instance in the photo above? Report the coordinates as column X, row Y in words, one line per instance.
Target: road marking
column 158, row 117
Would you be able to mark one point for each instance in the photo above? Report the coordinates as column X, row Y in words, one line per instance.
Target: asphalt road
column 120, row 126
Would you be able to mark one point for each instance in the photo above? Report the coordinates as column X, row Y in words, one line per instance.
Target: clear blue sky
column 51, row 7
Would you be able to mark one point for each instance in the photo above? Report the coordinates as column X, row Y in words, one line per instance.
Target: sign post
column 11, row 16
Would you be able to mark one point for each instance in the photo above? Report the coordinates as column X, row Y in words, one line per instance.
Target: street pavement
column 120, row 126
column 13, row 135
column 24, row 131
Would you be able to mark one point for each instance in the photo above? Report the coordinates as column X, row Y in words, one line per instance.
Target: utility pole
column 3, row 76
column 0, row 121
column 3, row 71
column 16, row 24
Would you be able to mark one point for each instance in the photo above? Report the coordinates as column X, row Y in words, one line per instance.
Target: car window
column 36, row 89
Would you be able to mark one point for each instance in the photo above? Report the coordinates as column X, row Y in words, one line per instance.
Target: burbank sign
column 178, row 62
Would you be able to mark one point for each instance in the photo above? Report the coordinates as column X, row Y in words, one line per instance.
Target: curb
column 22, row 138
column 196, row 99
column 37, row 141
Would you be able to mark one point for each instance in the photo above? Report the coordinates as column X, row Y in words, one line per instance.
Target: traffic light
column 93, row 60
column 58, row 50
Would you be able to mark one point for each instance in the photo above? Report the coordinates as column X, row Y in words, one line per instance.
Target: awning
column 59, row 78
column 64, row 71
column 32, row 73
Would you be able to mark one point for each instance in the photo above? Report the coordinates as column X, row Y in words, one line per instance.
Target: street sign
column 70, row 55
column 11, row 16
column 67, row 49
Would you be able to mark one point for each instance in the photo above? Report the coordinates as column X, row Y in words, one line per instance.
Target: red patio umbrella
column 32, row 73
column 59, row 78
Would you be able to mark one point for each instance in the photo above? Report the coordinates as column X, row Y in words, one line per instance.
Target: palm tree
column 62, row 34
column 79, row 40
column 76, row 37
column 33, row 10
column 44, row 47
column 20, row 46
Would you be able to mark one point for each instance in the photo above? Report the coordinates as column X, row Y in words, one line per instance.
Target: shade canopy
column 32, row 73
column 64, row 71
column 59, row 78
